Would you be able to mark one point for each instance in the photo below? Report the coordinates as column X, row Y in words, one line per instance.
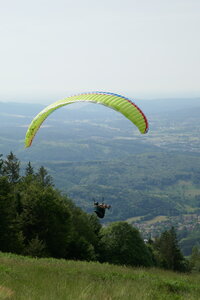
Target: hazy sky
column 139, row 48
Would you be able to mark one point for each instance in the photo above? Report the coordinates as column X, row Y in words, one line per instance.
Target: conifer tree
column 195, row 258
column 11, row 168
column 1, row 164
column 44, row 178
column 9, row 231
column 170, row 255
column 29, row 169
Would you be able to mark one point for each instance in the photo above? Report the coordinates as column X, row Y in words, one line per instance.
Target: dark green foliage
column 1, row 164
column 43, row 177
column 35, row 248
column 85, row 235
column 29, row 171
column 37, row 220
column 46, row 216
column 195, row 258
column 169, row 255
column 11, row 167
column 6, row 205
column 123, row 245
column 190, row 240
column 9, row 231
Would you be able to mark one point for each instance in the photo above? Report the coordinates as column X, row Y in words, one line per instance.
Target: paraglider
column 117, row 102
column 114, row 101
column 100, row 209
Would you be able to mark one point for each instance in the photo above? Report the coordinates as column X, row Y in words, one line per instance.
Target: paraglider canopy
column 117, row 102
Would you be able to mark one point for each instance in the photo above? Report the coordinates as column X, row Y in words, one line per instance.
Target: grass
column 29, row 278
column 157, row 219
column 149, row 222
column 133, row 219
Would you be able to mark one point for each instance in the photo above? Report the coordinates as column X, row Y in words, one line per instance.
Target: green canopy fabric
column 117, row 102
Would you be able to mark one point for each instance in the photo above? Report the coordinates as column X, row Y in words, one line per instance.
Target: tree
column 169, row 255
column 10, row 236
column 29, row 170
column 44, row 178
column 85, row 238
column 35, row 219
column 123, row 245
column 195, row 258
column 11, row 168
column 45, row 220
column 1, row 164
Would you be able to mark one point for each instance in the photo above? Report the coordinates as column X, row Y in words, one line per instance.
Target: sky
column 138, row 48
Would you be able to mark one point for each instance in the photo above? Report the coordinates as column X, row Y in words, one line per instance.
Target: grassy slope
column 26, row 278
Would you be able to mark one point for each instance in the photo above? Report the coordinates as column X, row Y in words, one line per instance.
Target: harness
column 100, row 211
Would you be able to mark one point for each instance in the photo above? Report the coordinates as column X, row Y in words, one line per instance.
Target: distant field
column 133, row 219
column 49, row 279
column 152, row 221
column 157, row 219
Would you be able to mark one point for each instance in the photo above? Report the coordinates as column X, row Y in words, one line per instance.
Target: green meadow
column 30, row 278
